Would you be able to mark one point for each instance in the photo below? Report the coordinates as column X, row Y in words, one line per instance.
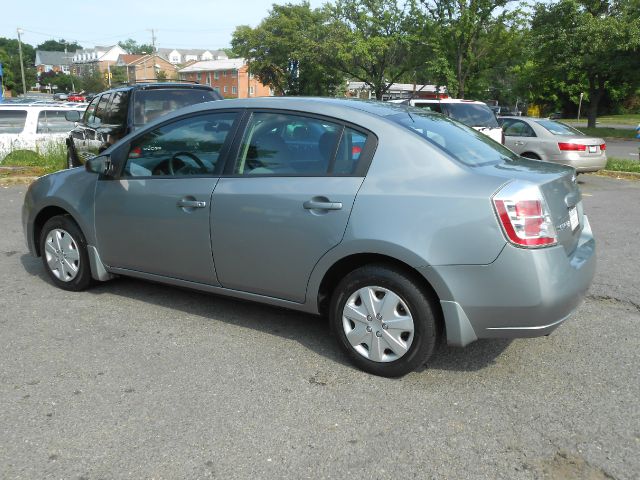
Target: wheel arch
column 347, row 264
column 532, row 155
column 41, row 218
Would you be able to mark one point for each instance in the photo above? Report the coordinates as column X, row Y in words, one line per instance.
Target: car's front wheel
column 64, row 253
column 383, row 320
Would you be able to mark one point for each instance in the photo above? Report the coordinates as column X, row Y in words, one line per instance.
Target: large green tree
column 468, row 35
column 135, row 48
column 590, row 46
column 285, row 51
column 376, row 41
column 10, row 58
column 58, row 46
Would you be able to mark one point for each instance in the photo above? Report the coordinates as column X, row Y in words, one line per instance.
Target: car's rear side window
column 462, row 143
column 12, row 121
column 53, row 121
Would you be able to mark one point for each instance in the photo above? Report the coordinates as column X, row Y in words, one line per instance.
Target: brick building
column 230, row 77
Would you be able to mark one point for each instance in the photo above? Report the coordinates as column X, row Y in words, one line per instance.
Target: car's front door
column 282, row 207
column 155, row 218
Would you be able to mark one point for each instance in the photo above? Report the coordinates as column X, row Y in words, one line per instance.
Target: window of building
column 234, row 73
column 216, row 75
column 225, row 89
column 251, row 90
column 234, row 90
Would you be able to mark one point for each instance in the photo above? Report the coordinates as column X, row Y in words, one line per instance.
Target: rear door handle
column 316, row 205
column 191, row 204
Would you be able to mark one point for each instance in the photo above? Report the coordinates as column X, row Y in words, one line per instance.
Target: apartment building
column 230, row 77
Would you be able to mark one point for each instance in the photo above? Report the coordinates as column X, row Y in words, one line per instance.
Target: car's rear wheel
column 383, row 320
column 64, row 254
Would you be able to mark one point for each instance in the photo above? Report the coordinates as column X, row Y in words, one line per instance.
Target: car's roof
column 378, row 108
column 159, row 85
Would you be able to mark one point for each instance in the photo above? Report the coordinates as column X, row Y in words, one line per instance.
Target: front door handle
column 317, row 205
column 191, row 204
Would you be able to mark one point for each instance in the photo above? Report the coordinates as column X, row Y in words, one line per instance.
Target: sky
column 177, row 24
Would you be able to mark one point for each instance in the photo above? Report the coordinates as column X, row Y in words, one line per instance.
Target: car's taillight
column 603, row 147
column 524, row 215
column 571, row 147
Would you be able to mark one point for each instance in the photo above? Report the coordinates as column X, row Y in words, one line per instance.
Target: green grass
column 623, row 165
column 608, row 132
column 49, row 159
column 626, row 119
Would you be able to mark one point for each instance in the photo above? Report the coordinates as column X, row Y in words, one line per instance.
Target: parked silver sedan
column 400, row 225
column 552, row 141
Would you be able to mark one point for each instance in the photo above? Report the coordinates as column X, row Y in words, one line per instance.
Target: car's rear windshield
column 464, row 144
column 558, row 128
column 151, row 104
column 472, row 114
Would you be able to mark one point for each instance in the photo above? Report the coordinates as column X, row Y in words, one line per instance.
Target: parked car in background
column 33, row 127
column 472, row 113
column 76, row 97
column 115, row 113
column 60, row 96
column 553, row 141
column 399, row 224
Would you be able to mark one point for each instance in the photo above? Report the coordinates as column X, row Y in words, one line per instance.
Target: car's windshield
column 558, row 128
column 462, row 143
column 473, row 114
column 151, row 104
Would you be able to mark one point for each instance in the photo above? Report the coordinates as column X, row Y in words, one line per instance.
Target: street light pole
column 24, row 84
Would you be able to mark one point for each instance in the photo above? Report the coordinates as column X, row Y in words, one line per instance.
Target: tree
column 590, row 46
column 59, row 46
column 132, row 47
column 467, row 33
column 10, row 59
column 93, row 82
column 284, row 51
column 375, row 41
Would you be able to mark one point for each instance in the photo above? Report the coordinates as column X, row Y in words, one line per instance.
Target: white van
column 33, row 127
column 472, row 113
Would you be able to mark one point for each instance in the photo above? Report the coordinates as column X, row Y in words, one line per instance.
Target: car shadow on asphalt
column 311, row 331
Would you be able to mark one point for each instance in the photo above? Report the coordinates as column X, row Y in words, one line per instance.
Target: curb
column 619, row 175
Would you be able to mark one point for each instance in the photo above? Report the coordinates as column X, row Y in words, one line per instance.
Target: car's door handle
column 317, row 205
column 191, row 204
column 519, row 143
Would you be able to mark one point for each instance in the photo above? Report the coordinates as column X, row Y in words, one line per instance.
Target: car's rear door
column 155, row 218
column 280, row 208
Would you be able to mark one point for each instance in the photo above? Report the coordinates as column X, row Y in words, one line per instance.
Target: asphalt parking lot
column 137, row 380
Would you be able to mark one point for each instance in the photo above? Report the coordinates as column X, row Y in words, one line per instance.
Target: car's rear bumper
column 523, row 293
column 582, row 163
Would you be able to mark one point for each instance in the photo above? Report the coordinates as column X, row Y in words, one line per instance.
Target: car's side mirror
column 72, row 116
column 100, row 165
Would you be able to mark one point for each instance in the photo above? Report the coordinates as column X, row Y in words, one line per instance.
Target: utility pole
column 153, row 39
column 24, row 84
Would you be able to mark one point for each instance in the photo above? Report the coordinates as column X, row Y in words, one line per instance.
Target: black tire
column 81, row 278
column 421, row 309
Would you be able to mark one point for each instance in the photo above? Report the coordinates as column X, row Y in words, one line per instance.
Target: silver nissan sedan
column 402, row 226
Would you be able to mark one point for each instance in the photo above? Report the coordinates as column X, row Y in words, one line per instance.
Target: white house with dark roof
column 184, row 55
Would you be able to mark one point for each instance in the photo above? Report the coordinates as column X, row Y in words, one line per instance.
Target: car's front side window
column 53, row 121
column 90, row 112
column 288, row 144
column 190, row 146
